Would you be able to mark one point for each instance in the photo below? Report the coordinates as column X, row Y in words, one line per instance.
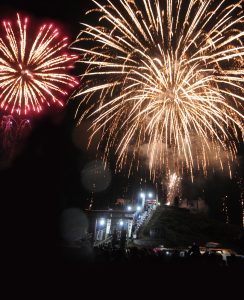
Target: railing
column 105, row 241
column 144, row 220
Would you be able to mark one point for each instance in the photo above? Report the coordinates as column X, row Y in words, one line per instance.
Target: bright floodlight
column 142, row 195
column 129, row 208
column 150, row 195
column 138, row 208
column 121, row 223
column 102, row 222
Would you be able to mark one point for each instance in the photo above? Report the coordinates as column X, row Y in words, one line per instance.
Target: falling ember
column 240, row 182
column 242, row 206
column 8, row 132
column 13, row 133
column 33, row 73
column 162, row 73
column 225, row 210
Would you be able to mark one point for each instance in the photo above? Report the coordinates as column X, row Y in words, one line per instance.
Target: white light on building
column 102, row 222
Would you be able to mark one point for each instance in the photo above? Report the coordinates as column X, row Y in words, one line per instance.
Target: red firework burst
column 33, row 73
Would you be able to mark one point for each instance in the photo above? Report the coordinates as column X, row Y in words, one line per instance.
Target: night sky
column 50, row 170
column 55, row 146
column 73, row 156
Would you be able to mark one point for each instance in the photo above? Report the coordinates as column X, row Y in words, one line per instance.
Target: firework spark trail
column 33, row 75
column 172, row 187
column 162, row 73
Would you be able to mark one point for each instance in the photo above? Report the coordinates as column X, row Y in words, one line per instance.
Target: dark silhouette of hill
column 179, row 227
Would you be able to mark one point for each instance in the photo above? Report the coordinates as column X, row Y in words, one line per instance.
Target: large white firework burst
column 161, row 74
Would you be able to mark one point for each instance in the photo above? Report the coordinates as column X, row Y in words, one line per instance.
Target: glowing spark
column 173, row 188
column 32, row 74
column 162, row 73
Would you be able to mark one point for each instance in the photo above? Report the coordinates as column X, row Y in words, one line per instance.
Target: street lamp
column 138, row 208
column 101, row 222
column 143, row 196
column 121, row 223
column 129, row 208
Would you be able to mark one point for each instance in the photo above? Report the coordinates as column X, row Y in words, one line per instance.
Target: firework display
column 173, row 188
column 164, row 74
column 33, row 72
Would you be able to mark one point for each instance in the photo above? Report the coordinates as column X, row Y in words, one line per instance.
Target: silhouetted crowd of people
column 191, row 257
column 139, row 259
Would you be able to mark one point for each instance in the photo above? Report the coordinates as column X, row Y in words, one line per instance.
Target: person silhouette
column 114, row 238
column 123, row 239
column 194, row 251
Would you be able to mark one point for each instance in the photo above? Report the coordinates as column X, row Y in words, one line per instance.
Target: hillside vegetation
column 179, row 227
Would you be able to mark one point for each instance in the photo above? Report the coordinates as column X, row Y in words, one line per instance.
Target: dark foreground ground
column 101, row 273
